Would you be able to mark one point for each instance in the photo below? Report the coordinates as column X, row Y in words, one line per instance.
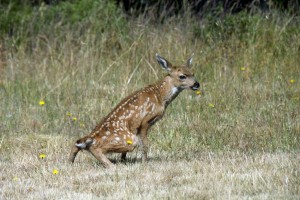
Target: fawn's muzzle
column 195, row 86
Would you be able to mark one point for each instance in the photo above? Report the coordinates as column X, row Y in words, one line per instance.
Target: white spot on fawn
column 153, row 108
column 174, row 90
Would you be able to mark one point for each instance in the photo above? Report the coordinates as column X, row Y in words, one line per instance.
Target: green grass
column 248, row 141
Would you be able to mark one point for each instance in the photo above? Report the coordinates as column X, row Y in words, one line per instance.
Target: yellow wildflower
column 42, row 102
column 198, row 92
column 15, row 178
column 55, row 171
column 74, row 119
column 243, row 68
column 68, row 114
column 42, row 156
column 292, row 81
column 129, row 142
column 211, row 105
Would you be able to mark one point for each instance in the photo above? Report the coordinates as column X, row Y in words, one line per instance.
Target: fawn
column 118, row 132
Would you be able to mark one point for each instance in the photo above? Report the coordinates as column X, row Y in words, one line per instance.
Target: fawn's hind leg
column 73, row 153
column 144, row 140
column 97, row 153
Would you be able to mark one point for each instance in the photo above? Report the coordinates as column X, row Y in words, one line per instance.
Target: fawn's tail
column 80, row 144
column 84, row 143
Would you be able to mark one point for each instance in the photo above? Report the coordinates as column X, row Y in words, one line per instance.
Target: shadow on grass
column 132, row 160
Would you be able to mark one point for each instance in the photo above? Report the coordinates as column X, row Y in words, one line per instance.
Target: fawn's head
column 182, row 76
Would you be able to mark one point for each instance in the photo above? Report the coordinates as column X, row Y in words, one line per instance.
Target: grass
column 203, row 175
column 238, row 139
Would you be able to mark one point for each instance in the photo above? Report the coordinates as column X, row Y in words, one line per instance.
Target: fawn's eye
column 182, row 77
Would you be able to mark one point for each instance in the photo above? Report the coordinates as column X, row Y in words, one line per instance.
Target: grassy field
column 196, row 175
column 238, row 139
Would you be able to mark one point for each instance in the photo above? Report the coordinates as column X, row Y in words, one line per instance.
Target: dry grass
column 239, row 139
column 201, row 175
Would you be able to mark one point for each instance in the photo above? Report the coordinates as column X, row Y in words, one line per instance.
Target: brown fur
column 118, row 132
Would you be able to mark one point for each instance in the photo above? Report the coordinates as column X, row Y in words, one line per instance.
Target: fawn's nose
column 195, row 86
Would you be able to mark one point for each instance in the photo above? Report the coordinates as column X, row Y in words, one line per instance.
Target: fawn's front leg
column 123, row 156
column 145, row 142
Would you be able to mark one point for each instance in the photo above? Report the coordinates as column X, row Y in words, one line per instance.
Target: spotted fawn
column 128, row 123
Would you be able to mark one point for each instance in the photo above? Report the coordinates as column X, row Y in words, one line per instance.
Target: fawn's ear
column 166, row 65
column 189, row 61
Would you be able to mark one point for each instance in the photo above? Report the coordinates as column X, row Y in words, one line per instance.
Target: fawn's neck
column 167, row 90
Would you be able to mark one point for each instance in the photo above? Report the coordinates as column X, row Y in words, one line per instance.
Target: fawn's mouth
column 195, row 86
